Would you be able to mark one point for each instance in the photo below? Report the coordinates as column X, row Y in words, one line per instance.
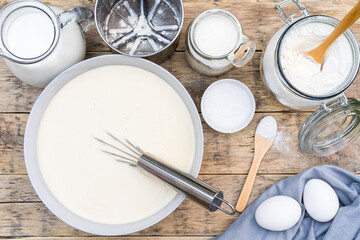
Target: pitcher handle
column 243, row 54
column 82, row 15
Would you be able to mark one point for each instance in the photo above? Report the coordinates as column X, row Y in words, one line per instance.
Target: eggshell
column 320, row 200
column 278, row 213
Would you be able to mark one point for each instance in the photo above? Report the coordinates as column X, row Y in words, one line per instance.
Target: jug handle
column 244, row 53
column 82, row 15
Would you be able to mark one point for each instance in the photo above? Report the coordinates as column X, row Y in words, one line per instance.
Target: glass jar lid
column 331, row 128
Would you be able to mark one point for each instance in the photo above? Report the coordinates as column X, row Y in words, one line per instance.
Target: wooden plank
column 223, row 153
column 16, row 96
column 22, row 213
column 12, row 128
column 34, row 219
column 118, row 238
column 233, row 153
column 259, row 19
column 16, row 188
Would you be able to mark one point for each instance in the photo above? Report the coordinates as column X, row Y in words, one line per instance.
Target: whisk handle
column 202, row 193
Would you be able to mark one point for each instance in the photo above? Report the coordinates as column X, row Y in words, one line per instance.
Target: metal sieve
column 141, row 28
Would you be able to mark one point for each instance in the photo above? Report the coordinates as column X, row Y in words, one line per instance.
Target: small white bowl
column 222, row 105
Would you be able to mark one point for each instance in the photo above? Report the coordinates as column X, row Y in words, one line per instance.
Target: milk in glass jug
column 38, row 41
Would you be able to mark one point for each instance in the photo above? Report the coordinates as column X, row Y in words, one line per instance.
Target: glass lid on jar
column 331, row 128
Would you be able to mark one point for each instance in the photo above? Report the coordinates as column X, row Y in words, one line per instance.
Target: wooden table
column 227, row 157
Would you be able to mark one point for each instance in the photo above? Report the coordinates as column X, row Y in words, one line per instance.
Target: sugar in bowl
column 39, row 41
column 300, row 83
column 215, row 43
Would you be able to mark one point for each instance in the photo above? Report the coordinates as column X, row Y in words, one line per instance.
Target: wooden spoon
column 318, row 53
column 264, row 137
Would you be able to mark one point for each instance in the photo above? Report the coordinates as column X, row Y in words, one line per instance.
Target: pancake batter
column 126, row 101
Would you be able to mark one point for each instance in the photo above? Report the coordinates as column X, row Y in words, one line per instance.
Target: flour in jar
column 305, row 74
column 126, row 101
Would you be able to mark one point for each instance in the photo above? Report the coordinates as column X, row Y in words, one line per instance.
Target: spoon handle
column 345, row 23
column 246, row 190
column 262, row 145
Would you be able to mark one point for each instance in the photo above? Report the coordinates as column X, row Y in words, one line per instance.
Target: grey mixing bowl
column 30, row 144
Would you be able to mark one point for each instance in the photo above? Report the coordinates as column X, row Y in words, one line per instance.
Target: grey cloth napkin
column 345, row 225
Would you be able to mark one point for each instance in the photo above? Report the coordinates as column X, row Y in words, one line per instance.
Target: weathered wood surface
column 16, row 96
column 255, row 17
column 22, row 213
column 259, row 18
column 227, row 157
column 118, row 238
column 223, row 153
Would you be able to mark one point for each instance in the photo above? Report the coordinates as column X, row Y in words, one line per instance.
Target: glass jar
column 65, row 42
column 212, row 65
column 335, row 124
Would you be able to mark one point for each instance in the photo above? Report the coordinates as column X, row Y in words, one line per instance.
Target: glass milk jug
column 216, row 59
column 336, row 122
column 38, row 41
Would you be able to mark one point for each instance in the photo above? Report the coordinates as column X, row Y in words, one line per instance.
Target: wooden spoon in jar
column 264, row 138
column 318, row 53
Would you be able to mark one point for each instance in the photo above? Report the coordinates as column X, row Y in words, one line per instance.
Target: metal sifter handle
column 202, row 193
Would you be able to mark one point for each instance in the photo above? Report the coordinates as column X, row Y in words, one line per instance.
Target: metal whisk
column 202, row 193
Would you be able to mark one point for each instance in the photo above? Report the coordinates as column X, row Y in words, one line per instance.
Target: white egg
column 320, row 200
column 278, row 213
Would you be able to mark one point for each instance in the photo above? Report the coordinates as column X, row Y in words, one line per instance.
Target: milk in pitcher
column 37, row 48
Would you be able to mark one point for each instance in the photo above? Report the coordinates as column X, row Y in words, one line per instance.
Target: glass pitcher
column 38, row 41
column 336, row 122
column 209, row 65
